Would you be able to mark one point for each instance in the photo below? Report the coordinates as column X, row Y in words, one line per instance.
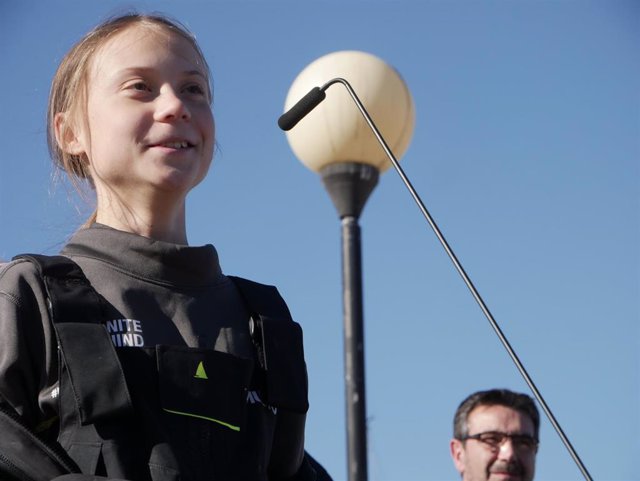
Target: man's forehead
column 499, row 418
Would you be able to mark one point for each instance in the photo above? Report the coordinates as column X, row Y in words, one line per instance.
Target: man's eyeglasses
column 495, row 439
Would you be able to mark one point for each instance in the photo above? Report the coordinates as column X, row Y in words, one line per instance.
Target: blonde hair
column 69, row 86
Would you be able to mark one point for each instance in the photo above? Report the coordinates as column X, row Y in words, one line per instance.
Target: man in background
column 495, row 436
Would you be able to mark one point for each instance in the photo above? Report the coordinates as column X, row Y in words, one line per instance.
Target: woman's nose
column 171, row 107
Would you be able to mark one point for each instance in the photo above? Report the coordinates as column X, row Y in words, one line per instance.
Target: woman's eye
column 195, row 89
column 140, row 86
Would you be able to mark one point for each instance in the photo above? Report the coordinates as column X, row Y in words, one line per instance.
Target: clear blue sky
column 526, row 151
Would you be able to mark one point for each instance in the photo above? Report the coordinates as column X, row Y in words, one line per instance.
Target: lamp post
column 336, row 142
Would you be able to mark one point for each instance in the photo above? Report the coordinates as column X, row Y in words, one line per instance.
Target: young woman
column 130, row 113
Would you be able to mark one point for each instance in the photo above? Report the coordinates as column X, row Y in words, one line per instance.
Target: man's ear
column 457, row 454
column 68, row 134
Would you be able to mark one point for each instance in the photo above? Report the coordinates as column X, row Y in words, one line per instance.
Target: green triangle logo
column 200, row 372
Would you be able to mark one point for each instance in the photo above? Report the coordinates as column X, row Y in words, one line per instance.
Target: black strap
column 279, row 343
column 77, row 313
column 262, row 298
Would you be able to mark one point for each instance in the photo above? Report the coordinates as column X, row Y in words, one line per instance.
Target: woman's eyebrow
column 149, row 70
column 195, row 72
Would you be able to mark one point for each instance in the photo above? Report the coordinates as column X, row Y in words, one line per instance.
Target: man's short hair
column 494, row 397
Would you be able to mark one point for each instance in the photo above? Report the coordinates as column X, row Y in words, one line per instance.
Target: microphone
column 310, row 101
column 306, row 104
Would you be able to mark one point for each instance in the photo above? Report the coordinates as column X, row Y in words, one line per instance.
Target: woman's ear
column 68, row 134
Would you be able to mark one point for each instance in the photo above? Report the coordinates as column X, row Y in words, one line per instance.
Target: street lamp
column 336, row 142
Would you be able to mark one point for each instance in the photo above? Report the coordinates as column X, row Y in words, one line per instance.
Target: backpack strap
column 279, row 344
column 78, row 314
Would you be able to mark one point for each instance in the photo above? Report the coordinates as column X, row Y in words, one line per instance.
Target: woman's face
column 149, row 128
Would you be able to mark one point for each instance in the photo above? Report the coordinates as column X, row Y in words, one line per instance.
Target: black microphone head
column 306, row 104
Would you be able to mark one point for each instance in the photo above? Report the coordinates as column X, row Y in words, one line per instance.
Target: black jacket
column 189, row 398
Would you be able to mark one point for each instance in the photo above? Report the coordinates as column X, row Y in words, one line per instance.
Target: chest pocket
column 204, row 384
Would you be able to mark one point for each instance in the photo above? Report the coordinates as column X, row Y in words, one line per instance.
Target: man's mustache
column 514, row 468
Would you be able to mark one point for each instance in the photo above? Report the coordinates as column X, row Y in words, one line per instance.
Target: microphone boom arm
column 308, row 103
